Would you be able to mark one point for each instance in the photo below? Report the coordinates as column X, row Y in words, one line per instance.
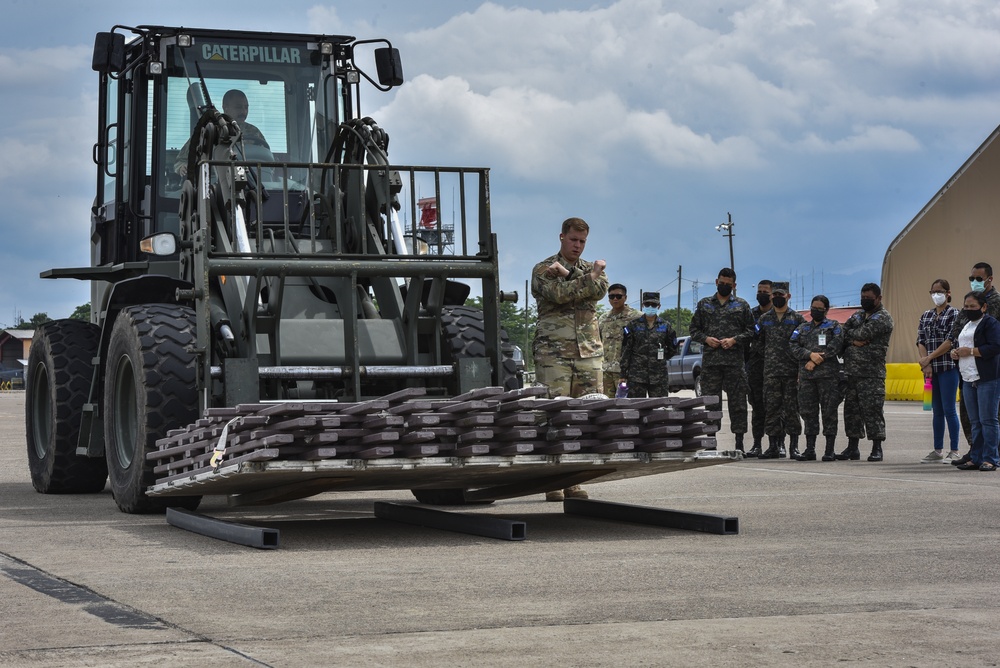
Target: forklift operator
column 236, row 106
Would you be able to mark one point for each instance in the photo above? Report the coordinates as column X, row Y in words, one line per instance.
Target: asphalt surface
column 843, row 563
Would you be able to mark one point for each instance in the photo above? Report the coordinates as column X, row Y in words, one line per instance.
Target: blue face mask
column 649, row 310
column 977, row 286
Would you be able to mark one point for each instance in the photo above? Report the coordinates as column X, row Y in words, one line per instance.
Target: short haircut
column 821, row 298
column 764, row 281
column 727, row 272
column 943, row 282
column 980, row 297
column 984, row 265
column 231, row 96
column 872, row 288
column 578, row 224
column 617, row 286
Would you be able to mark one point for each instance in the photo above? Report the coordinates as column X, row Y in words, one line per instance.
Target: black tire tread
column 67, row 349
column 165, row 336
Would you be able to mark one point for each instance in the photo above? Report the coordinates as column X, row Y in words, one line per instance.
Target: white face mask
column 939, row 298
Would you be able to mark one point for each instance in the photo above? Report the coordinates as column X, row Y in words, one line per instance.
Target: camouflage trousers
column 863, row 403
column 781, row 406
column 570, row 377
column 755, row 394
column 642, row 390
column 611, row 379
column 732, row 380
column 818, row 395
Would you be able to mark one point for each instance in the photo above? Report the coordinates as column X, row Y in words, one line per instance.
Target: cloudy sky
column 823, row 126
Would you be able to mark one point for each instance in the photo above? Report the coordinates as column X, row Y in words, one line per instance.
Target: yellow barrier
column 904, row 382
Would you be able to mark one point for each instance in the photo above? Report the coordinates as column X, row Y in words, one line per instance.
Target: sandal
column 986, row 466
column 968, row 466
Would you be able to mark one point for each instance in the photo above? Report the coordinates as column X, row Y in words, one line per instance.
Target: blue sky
column 823, row 127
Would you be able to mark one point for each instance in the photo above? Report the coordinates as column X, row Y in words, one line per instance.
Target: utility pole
column 677, row 321
column 728, row 228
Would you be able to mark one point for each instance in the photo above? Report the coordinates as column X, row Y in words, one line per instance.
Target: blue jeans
column 944, row 386
column 981, row 402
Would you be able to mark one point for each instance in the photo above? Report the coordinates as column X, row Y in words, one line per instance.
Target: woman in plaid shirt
column 932, row 341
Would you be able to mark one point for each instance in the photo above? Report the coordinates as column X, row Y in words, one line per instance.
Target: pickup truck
column 684, row 368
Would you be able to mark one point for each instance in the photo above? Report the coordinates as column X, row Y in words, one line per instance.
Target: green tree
column 681, row 320
column 82, row 312
column 36, row 321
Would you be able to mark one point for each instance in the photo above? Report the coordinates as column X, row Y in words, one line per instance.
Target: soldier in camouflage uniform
column 816, row 344
column 866, row 342
column 649, row 342
column 755, row 370
column 236, row 106
column 781, row 370
column 981, row 280
column 723, row 323
column 567, row 345
column 612, row 326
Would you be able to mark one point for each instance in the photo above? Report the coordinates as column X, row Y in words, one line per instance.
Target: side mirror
column 109, row 52
column 389, row 66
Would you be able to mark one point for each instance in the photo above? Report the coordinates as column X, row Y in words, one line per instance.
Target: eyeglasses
column 616, row 296
column 979, row 278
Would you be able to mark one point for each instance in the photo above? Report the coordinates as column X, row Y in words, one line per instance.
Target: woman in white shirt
column 978, row 357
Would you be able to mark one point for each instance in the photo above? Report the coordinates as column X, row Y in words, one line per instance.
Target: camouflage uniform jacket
column 992, row 308
column 567, row 310
column 612, row 327
column 826, row 338
column 755, row 351
column 723, row 321
column 867, row 361
column 641, row 347
column 775, row 336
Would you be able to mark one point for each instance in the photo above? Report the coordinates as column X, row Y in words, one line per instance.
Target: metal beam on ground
column 476, row 525
column 261, row 538
column 675, row 519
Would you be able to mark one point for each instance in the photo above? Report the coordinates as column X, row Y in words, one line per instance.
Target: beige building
column 955, row 230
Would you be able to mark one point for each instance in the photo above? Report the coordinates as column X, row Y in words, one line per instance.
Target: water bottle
column 622, row 391
column 928, row 388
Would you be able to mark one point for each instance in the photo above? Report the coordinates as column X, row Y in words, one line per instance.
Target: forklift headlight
column 159, row 244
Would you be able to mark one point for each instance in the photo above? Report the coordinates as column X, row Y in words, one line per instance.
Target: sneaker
column 951, row 456
column 575, row 492
column 935, row 456
column 556, row 495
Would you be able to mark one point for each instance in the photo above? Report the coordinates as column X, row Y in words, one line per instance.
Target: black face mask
column 724, row 289
column 779, row 302
column 973, row 314
column 763, row 298
column 817, row 314
column 867, row 303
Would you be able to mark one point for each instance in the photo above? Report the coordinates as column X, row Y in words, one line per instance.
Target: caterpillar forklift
column 254, row 254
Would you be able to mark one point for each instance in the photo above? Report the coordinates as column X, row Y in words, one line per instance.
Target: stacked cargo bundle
column 406, row 424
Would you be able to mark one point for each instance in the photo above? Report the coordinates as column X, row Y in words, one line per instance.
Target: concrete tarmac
column 842, row 563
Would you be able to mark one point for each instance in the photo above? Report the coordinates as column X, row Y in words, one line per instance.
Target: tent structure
column 956, row 229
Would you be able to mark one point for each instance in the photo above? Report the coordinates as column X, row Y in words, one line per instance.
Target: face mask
column 779, row 302
column 724, row 289
column 973, row 314
column 939, row 298
column 867, row 303
column 763, row 298
column 977, row 286
column 649, row 310
column 817, row 314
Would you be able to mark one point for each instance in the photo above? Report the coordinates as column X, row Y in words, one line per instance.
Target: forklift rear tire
column 60, row 369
